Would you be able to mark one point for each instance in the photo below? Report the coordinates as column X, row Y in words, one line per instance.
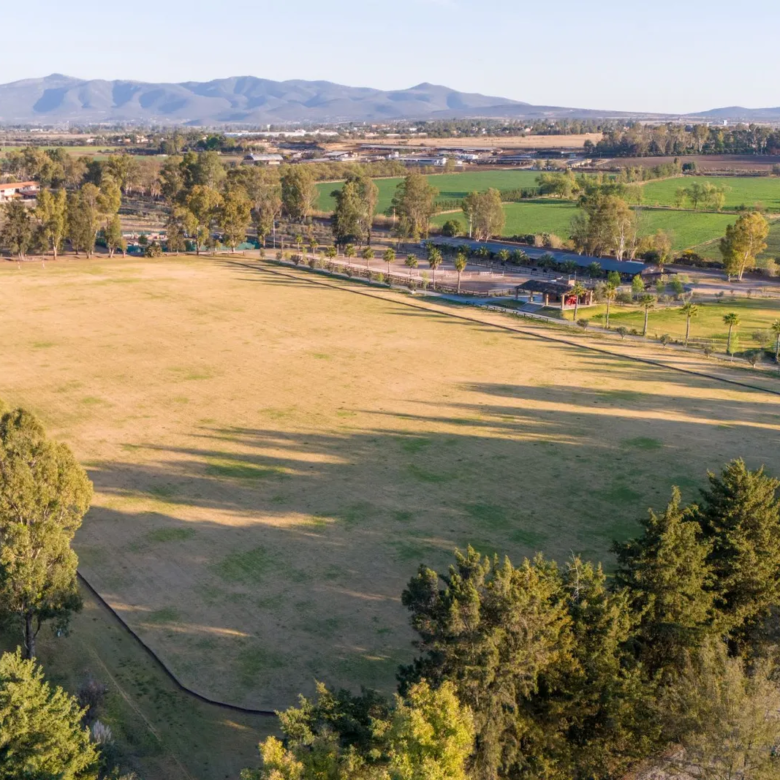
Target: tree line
column 672, row 139
column 565, row 672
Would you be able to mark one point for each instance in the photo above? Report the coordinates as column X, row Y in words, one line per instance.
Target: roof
column 17, row 185
column 540, row 286
column 627, row 267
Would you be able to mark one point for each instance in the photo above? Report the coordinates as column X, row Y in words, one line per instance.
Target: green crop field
column 740, row 191
column 273, row 459
column 756, row 314
column 451, row 186
column 687, row 228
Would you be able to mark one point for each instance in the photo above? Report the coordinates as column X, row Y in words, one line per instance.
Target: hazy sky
column 665, row 55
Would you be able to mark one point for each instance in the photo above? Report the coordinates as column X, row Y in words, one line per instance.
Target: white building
column 18, row 189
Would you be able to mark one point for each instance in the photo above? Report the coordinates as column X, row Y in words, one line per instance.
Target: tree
column 389, row 257
column 689, row 310
column 492, row 630
column 723, row 715
column 204, row 204
column 732, row 320
column 349, row 252
column 299, row 193
column 740, row 515
column 347, row 218
column 51, row 213
column 637, row 285
column 743, row 242
column 776, row 331
column 18, row 228
column 112, row 233
column 610, row 293
column 451, row 228
column 460, row 266
column 84, row 218
column 233, row 216
column 426, row 735
column 44, row 494
column 368, row 255
column 613, row 279
column 414, row 203
column 647, row 302
column 434, row 261
column 411, row 264
column 485, row 213
column 577, row 290
column 667, row 574
column 42, row 736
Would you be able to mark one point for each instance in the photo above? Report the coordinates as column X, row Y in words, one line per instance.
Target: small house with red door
column 553, row 293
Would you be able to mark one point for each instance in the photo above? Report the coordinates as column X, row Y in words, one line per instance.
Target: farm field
column 755, row 314
column 450, row 185
column 687, row 228
column 272, row 459
column 745, row 191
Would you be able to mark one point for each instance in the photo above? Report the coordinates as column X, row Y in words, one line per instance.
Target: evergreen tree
column 668, row 577
column 41, row 735
column 740, row 516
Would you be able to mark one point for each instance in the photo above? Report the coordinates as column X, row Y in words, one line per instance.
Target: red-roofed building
column 18, row 189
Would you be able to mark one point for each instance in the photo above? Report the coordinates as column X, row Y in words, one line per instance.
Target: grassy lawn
column 273, row 459
column 450, row 185
column 687, row 228
column 739, row 191
column 160, row 732
column 755, row 314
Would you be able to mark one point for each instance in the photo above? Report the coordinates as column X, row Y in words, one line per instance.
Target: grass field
column 160, row 732
column 740, row 191
column 273, row 459
column 548, row 216
column 755, row 315
column 450, row 185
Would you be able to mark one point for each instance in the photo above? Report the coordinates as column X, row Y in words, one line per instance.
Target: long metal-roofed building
column 628, row 269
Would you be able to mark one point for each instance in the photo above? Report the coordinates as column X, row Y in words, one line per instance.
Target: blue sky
column 678, row 56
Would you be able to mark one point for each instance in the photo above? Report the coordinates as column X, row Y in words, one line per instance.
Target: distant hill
column 738, row 113
column 248, row 100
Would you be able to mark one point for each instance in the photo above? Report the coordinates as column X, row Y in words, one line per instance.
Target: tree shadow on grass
column 257, row 559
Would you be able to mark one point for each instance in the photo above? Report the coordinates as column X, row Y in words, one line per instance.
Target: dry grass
column 489, row 142
column 273, row 459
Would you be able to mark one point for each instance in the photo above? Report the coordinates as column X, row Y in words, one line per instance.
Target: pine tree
column 740, row 516
column 668, row 578
column 41, row 735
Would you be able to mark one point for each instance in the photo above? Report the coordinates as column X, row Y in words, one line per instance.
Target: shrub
column 623, row 331
column 583, row 322
column 451, row 228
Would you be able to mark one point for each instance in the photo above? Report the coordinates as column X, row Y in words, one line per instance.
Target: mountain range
column 246, row 100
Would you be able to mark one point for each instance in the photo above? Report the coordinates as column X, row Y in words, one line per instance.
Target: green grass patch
column 238, row 470
column 164, row 615
column 490, row 515
column 740, row 191
column 423, row 475
column 248, row 566
column 642, row 443
column 170, row 534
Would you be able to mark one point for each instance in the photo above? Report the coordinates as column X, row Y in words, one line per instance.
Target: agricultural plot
column 451, row 186
column 740, row 191
column 687, row 228
column 273, row 459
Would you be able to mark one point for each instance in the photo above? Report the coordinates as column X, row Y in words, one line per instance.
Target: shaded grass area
column 160, row 732
column 740, row 191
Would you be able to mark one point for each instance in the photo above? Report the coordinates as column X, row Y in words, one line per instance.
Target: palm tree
column 368, row 255
column 577, row 289
column 434, row 261
column 389, row 257
column 349, row 251
column 460, row 266
column 331, row 252
column 410, row 263
column 690, row 310
column 776, row 331
column 732, row 320
column 646, row 301
column 609, row 294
